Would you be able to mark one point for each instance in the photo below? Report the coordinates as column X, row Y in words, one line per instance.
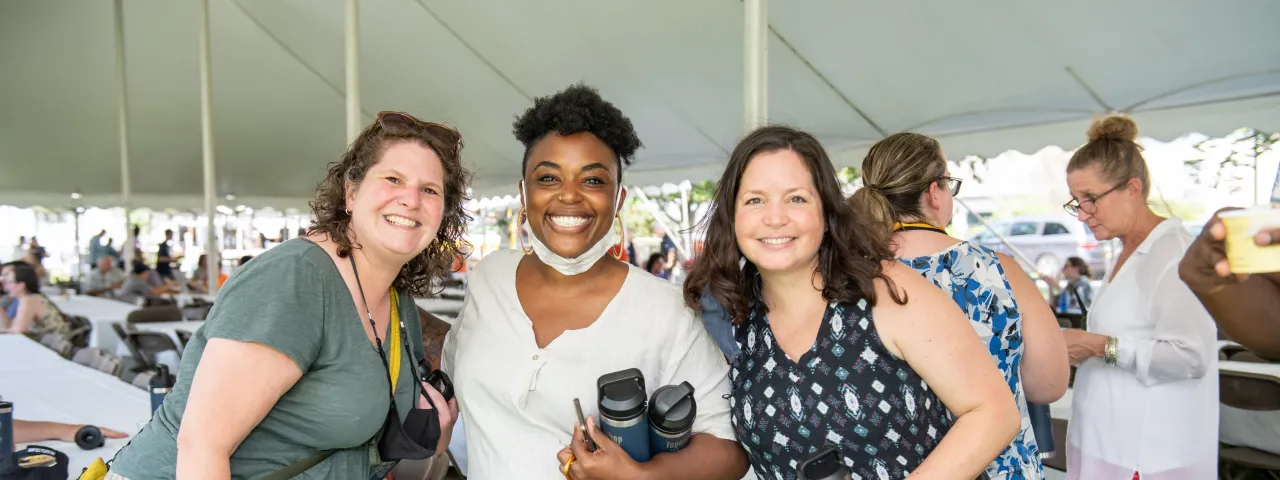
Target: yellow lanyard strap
column 393, row 342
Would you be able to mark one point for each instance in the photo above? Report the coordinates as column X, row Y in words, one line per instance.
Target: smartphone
column 582, row 426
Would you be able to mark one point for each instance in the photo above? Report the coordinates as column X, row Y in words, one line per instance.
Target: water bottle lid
column 6, row 407
column 824, row 464
column 621, row 394
column 672, row 408
column 162, row 379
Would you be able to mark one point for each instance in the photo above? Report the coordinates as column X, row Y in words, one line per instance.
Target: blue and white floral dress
column 973, row 276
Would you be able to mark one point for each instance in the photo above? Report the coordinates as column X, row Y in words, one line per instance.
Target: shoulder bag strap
column 299, row 466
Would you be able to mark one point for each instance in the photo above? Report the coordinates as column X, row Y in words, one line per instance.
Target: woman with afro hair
column 541, row 325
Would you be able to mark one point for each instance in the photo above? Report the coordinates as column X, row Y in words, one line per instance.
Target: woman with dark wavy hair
column 305, row 354
column 839, row 344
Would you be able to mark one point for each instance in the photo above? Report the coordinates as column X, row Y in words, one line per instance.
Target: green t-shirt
column 292, row 299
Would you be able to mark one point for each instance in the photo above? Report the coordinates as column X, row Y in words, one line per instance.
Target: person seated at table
column 1246, row 307
column 138, row 285
column 199, row 282
column 26, row 431
column 105, row 279
column 6, row 298
column 31, row 313
column 243, row 260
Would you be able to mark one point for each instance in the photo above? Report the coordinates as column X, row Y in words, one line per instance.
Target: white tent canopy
column 983, row 76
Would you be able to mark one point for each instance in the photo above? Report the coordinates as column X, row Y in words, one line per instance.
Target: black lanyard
column 898, row 227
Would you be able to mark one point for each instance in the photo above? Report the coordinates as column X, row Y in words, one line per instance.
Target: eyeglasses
column 1074, row 206
column 953, row 184
column 443, row 133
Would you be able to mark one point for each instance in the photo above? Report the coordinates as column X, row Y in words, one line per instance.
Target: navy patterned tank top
column 847, row 391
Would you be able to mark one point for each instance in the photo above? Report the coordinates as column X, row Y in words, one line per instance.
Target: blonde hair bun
column 1114, row 127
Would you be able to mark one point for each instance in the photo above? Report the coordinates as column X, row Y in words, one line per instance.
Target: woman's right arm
column 935, row 338
column 235, row 385
column 1044, row 359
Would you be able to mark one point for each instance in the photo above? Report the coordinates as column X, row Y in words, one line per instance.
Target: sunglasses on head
column 443, row 133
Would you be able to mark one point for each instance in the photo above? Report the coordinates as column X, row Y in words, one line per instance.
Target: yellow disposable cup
column 1243, row 254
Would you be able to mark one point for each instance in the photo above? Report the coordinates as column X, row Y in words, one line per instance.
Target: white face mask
column 574, row 266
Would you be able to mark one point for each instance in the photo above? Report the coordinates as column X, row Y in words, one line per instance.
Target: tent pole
column 756, row 62
column 206, row 133
column 353, row 69
column 122, row 99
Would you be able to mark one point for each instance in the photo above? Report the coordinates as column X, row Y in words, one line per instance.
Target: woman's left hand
column 448, row 413
column 1082, row 345
column 609, row 461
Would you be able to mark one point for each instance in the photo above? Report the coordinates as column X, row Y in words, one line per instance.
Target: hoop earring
column 520, row 231
column 621, row 240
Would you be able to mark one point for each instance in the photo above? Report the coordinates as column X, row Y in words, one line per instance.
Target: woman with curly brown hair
column 303, row 366
column 841, row 345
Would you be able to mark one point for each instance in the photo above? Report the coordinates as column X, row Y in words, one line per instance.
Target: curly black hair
column 578, row 108
column 329, row 207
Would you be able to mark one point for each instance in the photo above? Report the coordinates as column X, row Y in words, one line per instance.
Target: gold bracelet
column 1112, row 351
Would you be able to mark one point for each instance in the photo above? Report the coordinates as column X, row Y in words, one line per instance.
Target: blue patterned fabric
column 847, row 391
column 973, row 276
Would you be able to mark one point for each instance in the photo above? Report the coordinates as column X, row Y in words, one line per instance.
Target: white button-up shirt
column 517, row 399
column 1156, row 411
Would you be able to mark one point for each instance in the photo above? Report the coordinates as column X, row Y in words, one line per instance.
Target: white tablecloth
column 101, row 312
column 46, row 387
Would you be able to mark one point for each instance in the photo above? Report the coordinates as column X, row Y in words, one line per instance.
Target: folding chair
column 158, row 301
column 163, row 313
column 1248, row 391
column 111, row 365
column 88, row 356
column 80, row 329
column 1059, row 459
column 150, row 344
column 58, row 343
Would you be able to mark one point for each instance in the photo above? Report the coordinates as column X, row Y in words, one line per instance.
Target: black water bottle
column 827, row 463
column 6, row 432
column 1042, row 427
column 161, row 383
column 671, row 412
column 622, row 406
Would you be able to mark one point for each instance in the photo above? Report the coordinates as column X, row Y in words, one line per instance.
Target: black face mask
column 417, row 436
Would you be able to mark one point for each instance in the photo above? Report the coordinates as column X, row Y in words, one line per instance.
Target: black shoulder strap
column 1084, row 311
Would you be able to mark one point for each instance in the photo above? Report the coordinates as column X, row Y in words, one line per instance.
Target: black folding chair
column 1248, row 391
column 162, row 313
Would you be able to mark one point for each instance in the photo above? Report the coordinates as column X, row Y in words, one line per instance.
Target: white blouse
column 1156, row 411
column 517, row 399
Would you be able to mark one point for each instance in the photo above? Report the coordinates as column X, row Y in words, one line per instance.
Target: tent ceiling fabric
column 984, row 76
